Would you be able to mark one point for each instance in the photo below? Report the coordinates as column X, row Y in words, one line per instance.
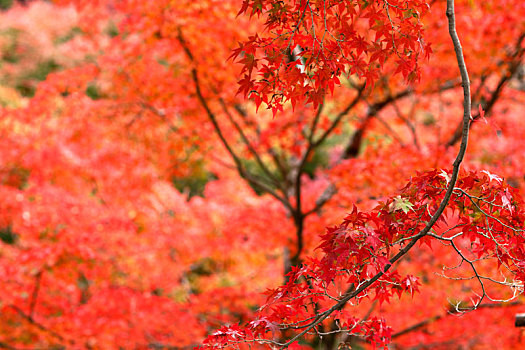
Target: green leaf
column 402, row 204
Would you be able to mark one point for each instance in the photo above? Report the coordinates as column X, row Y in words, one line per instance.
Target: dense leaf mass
column 307, row 46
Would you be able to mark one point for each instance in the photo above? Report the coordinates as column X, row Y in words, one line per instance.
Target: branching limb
column 353, row 146
column 38, row 325
column 327, row 194
column 455, row 171
column 243, row 172
column 419, row 325
column 340, row 116
column 513, row 65
column 250, row 147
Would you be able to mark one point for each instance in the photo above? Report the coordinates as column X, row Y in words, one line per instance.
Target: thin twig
column 421, row 324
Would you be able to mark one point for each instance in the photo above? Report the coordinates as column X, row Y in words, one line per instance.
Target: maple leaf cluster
column 308, row 45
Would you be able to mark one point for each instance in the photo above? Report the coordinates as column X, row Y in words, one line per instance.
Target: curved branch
column 455, row 171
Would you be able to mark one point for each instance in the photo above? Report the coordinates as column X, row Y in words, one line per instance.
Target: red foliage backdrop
column 250, row 173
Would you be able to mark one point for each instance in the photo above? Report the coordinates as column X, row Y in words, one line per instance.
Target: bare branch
column 34, row 295
column 353, row 146
column 248, row 145
column 327, row 194
column 340, row 116
column 38, row 325
column 417, row 326
column 243, row 172
column 513, row 65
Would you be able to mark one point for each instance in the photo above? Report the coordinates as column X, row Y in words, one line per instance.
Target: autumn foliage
column 261, row 173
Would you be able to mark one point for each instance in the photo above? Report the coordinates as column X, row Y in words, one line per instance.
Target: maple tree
column 166, row 162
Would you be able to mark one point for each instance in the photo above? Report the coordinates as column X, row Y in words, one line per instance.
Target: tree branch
column 38, row 325
column 513, row 66
column 340, row 116
column 243, row 172
column 455, row 171
column 436, row 318
column 353, row 146
column 34, row 295
column 248, row 145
